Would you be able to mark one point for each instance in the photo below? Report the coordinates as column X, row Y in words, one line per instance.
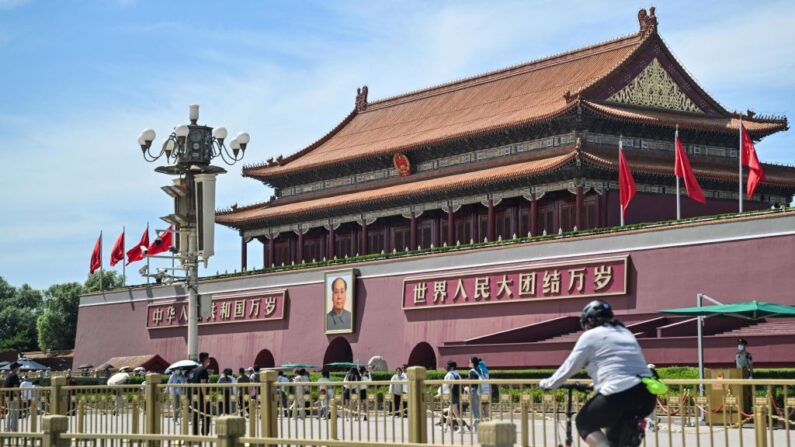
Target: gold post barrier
column 54, row 426
column 268, row 410
column 229, row 430
column 418, row 432
column 57, row 395
column 152, row 416
column 760, row 422
column 496, row 434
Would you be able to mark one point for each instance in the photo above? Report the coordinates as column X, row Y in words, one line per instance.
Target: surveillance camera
column 158, row 241
column 161, row 270
column 144, row 250
column 143, row 270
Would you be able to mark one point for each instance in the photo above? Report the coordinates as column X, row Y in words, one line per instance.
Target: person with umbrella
column 120, row 378
column 177, row 378
column 743, row 359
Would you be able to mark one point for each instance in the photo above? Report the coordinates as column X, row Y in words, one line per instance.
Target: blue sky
column 81, row 79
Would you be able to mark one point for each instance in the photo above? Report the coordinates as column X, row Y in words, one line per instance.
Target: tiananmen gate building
column 478, row 218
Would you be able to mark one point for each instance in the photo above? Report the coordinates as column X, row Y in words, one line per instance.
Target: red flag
column 96, row 256
column 162, row 243
column 626, row 184
column 748, row 154
column 682, row 169
column 136, row 253
column 117, row 252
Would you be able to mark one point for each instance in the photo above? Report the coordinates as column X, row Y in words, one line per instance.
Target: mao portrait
column 339, row 305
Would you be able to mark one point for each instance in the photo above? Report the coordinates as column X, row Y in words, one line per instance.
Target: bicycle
column 632, row 433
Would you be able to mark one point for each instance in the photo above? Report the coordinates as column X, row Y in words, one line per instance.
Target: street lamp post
column 189, row 150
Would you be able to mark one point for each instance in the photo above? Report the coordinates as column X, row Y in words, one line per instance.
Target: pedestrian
column 363, row 404
column 397, row 390
column 177, row 377
column 242, row 377
column 201, row 412
column 454, row 391
column 485, row 390
column 351, row 388
column 226, row 377
column 325, row 393
column 12, row 398
column 743, row 359
column 283, row 390
column 299, row 376
column 474, row 390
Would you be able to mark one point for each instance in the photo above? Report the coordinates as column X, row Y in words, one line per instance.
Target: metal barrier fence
column 710, row 412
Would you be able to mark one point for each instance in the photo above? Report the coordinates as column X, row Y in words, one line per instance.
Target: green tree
column 57, row 324
column 17, row 329
column 19, row 309
column 110, row 280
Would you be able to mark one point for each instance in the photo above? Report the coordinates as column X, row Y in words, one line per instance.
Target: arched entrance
column 264, row 359
column 339, row 350
column 423, row 355
column 213, row 366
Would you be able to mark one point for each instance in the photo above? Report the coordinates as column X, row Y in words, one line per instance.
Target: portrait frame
column 349, row 307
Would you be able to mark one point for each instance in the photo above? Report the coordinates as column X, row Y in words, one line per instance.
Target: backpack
column 484, row 388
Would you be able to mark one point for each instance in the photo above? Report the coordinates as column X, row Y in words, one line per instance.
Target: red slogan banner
column 238, row 308
column 575, row 279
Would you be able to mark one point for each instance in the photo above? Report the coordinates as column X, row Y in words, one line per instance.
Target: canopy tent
column 750, row 310
column 26, row 365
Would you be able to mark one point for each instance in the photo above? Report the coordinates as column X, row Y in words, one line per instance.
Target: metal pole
column 678, row 197
column 193, row 298
column 699, row 300
column 740, row 158
column 123, row 257
column 678, row 201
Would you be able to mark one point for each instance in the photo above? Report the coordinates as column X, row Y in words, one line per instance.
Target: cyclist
column 615, row 363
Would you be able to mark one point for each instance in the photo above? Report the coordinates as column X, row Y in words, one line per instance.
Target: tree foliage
column 18, row 311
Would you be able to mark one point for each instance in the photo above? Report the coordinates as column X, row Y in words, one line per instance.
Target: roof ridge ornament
column 648, row 22
column 361, row 99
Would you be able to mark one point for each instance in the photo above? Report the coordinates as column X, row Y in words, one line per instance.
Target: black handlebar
column 576, row 386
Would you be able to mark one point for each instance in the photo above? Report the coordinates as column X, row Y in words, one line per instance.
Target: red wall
column 732, row 271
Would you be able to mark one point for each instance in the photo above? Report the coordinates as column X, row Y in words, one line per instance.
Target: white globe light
column 141, row 141
column 182, row 130
column 243, row 138
column 169, row 146
column 220, row 133
column 235, row 144
column 148, row 135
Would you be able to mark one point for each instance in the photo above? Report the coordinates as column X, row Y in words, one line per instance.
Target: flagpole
column 147, row 254
column 678, row 197
column 101, row 271
column 123, row 261
column 621, row 205
column 740, row 158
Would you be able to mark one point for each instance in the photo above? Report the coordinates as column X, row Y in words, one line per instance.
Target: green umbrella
column 347, row 364
column 297, row 365
column 750, row 310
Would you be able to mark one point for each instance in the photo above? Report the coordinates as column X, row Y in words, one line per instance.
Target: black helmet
column 595, row 314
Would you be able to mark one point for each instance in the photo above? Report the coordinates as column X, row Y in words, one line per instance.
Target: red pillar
column 299, row 249
column 331, row 242
column 243, row 254
column 490, row 226
column 533, row 215
column 363, row 242
column 413, row 232
column 450, row 226
column 580, row 209
column 272, row 251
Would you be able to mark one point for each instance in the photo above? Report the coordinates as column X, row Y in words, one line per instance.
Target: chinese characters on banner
column 238, row 308
column 582, row 278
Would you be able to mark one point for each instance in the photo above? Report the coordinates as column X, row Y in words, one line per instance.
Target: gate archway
column 339, row 350
column 423, row 355
column 265, row 359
